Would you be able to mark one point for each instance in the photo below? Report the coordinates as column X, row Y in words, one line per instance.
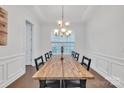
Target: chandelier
column 62, row 26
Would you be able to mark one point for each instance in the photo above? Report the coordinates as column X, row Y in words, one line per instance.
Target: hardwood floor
column 26, row 81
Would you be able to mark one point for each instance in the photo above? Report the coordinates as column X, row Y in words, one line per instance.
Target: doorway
column 29, row 29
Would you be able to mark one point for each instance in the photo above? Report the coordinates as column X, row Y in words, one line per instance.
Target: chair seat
column 52, row 84
column 75, row 83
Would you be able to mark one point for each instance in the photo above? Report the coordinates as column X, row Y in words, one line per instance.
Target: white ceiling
column 52, row 13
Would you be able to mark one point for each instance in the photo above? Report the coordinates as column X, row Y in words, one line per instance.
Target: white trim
column 12, row 56
column 32, row 39
column 107, row 56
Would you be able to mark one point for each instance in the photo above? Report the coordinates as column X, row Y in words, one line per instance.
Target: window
column 67, row 42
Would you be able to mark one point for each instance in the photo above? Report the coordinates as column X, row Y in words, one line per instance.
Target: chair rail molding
column 110, row 67
column 12, row 56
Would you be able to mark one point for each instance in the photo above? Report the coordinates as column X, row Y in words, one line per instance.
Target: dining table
column 62, row 69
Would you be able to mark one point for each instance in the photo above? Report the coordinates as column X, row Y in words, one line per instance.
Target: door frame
column 32, row 26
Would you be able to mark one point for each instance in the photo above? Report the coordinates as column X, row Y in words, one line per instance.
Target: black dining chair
column 47, row 56
column 40, row 62
column 86, row 62
column 50, row 54
column 76, row 56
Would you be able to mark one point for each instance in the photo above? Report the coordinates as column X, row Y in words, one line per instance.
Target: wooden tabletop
column 55, row 69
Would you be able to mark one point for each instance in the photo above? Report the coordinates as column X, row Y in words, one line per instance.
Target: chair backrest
column 47, row 56
column 73, row 54
column 50, row 54
column 76, row 56
column 38, row 61
column 86, row 61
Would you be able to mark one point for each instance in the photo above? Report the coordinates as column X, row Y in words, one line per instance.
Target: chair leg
column 65, row 83
column 42, row 84
column 45, row 85
column 82, row 83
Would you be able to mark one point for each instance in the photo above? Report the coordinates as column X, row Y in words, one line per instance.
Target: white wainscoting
column 11, row 68
column 111, row 68
column 1, row 74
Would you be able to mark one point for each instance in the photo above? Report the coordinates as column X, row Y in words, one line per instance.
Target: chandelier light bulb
column 67, row 23
column 67, row 34
column 63, row 30
column 59, row 22
column 56, row 31
column 69, row 31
